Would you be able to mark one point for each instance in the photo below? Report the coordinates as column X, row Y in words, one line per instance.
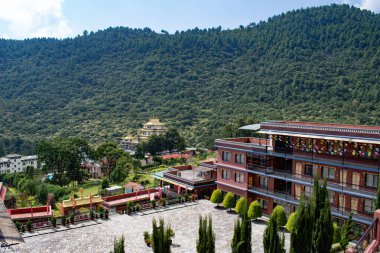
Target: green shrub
column 92, row 215
column 153, row 203
column 138, row 207
column 23, row 229
column 53, row 221
column 254, row 210
column 63, row 221
column 18, row 225
column 336, row 235
column 72, row 218
column 217, row 197
column 229, row 201
column 291, row 222
column 280, row 215
column 29, row 225
column 240, row 204
column 336, row 248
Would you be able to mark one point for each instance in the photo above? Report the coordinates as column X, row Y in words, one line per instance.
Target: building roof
column 343, row 132
column 154, row 122
column 82, row 201
column 176, row 156
column 134, row 186
column 30, row 213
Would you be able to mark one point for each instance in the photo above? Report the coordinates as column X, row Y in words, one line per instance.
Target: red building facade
column 279, row 167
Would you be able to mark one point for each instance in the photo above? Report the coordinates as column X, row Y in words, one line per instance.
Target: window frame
column 239, row 177
column 226, row 156
column 226, row 174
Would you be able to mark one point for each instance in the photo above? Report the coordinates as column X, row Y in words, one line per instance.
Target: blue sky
column 67, row 18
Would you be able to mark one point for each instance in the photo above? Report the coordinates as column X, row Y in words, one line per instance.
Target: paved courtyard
column 184, row 221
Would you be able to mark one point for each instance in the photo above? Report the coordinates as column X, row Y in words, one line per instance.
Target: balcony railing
column 340, row 187
column 337, row 211
column 368, row 237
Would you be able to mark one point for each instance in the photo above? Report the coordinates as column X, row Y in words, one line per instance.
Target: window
column 371, row 180
column 239, row 177
column 308, row 191
column 226, row 156
column 263, row 181
column 369, row 206
column 239, row 158
column 264, row 204
column 331, row 197
column 308, row 169
column 328, row 172
column 225, row 174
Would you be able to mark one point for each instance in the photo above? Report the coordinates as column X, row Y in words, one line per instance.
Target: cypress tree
column 210, row 237
column 302, row 234
column 346, row 231
column 241, row 242
column 206, row 237
column 161, row 237
column 324, row 231
column 271, row 240
column 377, row 203
column 236, row 238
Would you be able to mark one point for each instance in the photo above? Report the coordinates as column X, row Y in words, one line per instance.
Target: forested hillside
column 320, row 64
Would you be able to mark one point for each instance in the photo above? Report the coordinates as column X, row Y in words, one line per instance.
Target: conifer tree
column 324, row 231
column 241, row 242
column 210, row 237
column 377, row 203
column 161, row 236
column 206, row 236
column 346, row 232
column 301, row 236
column 271, row 240
column 236, row 238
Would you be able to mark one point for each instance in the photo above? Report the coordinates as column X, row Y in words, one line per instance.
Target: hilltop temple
column 152, row 127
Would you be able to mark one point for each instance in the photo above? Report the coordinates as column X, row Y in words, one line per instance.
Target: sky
column 20, row 19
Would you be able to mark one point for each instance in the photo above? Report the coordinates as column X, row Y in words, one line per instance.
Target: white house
column 16, row 163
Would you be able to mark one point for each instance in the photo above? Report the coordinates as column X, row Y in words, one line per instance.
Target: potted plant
column 18, row 225
column 100, row 210
column 163, row 201
column 63, row 220
column 153, row 203
column 23, row 229
column 29, row 225
column 92, row 215
column 129, row 207
column 147, row 238
column 138, row 207
column 106, row 214
column 53, row 221
column 72, row 218
column 179, row 198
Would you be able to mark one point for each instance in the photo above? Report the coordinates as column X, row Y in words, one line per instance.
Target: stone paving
column 183, row 220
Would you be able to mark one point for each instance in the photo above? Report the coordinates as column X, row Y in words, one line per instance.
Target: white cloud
column 34, row 18
column 372, row 5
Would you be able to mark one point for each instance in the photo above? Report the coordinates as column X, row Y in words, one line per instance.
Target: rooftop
column 318, row 125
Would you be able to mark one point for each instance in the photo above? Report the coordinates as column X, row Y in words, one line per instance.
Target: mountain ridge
column 319, row 63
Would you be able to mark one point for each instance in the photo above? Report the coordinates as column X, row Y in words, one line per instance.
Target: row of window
column 371, row 180
column 239, row 158
column 239, row 177
column 368, row 204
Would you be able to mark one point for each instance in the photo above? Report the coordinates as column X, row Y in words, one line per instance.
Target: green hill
column 319, row 64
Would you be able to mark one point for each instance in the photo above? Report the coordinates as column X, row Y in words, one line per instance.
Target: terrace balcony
column 337, row 211
column 263, row 147
column 343, row 188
